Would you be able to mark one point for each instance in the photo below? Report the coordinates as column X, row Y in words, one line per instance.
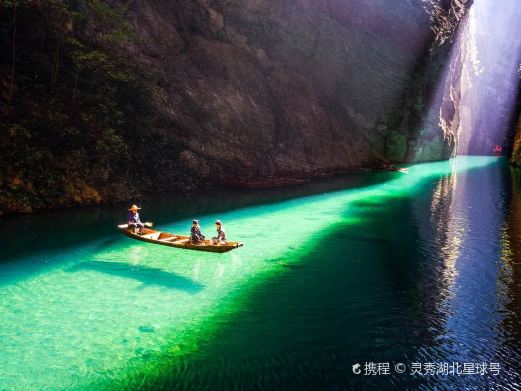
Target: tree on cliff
column 72, row 109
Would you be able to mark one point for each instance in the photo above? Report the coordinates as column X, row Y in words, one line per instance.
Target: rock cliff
column 255, row 88
column 516, row 148
column 219, row 91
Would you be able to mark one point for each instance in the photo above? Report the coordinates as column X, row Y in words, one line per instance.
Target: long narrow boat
column 177, row 241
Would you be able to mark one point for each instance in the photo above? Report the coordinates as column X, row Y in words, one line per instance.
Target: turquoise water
column 415, row 266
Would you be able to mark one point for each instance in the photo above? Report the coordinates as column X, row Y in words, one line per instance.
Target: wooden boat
column 177, row 241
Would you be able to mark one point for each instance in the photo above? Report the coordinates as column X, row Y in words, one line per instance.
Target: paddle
column 149, row 224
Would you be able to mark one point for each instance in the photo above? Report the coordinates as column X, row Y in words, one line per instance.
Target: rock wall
column 116, row 100
column 490, row 58
column 516, row 148
column 257, row 88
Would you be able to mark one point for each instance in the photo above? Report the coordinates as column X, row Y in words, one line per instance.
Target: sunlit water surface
column 415, row 267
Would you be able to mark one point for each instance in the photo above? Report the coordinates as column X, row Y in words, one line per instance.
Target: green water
column 351, row 270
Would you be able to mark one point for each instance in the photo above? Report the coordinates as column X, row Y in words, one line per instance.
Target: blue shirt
column 195, row 234
column 133, row 217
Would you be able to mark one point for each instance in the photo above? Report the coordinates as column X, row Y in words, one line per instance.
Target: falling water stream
column 488, row 60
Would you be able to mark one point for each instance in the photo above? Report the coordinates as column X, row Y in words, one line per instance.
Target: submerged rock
column 146, row 329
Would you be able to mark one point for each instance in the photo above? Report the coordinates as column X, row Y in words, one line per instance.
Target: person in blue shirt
column 196, row 236
column 133, row 220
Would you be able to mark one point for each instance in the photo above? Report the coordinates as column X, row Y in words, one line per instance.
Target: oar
column 149, row 224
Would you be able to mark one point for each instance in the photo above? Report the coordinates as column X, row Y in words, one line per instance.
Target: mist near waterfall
column 490, row 57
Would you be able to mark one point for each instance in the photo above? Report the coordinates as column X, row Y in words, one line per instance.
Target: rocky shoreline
column 89, row 197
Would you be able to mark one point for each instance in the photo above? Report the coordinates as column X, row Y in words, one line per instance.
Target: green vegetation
column 75, row 113
column 516, row 149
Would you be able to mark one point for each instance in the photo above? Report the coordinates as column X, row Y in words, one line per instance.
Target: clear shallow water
column 389, row 267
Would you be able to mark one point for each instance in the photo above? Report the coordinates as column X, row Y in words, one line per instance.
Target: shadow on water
column 107, row 243
column 359, row 238
column 67, row 227
column 148, row 276
column 307, row 327
column 362, row 299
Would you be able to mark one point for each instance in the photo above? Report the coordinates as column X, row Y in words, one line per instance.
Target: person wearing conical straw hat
column 133, row 220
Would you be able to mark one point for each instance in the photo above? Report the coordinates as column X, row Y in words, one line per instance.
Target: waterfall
column 483, row 77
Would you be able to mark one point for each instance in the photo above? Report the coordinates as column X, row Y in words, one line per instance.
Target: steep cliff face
column 491, row 54
column 289, row 88
column 212, row 91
